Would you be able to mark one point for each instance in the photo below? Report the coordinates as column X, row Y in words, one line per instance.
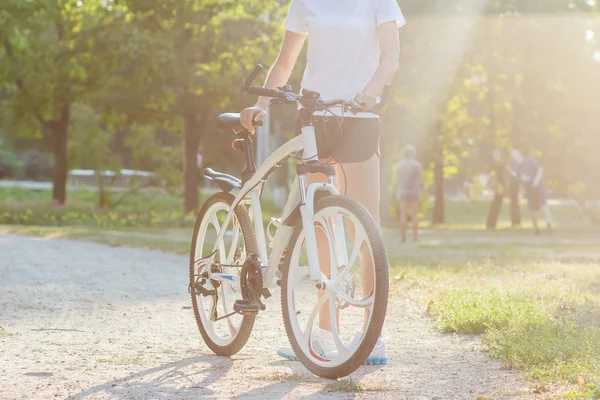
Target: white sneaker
column 322, row 343
column 379, row 354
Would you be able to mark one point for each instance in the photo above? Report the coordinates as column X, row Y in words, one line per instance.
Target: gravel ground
column 88, row 321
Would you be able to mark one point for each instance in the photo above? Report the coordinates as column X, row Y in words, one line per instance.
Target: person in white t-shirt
column 353, row 52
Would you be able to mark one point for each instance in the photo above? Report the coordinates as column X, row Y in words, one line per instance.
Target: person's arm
column 538, row 177
column 278, row 76
column 389, row 45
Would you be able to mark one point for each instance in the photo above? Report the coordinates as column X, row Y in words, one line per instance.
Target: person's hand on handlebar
column 251, row 115
column 367, row 100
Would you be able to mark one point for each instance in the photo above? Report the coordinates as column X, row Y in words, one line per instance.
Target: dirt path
column 87, row 321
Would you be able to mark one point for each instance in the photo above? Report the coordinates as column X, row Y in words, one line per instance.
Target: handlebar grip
column 257, row 70
column 258, row 91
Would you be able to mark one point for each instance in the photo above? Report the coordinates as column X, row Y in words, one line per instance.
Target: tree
column 497, row 83
column 93, row 137
column 200, row 51
column 47, row 66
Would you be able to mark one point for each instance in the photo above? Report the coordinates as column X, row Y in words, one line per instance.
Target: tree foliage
column 146, row 79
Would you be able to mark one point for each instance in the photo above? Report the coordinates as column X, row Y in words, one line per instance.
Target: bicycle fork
column 307, row 206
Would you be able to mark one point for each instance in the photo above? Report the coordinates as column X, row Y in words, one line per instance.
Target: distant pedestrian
column 409, row 181
column 530, row 173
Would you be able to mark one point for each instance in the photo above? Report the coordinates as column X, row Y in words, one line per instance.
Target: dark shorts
column 536, row 196
column 347, row 140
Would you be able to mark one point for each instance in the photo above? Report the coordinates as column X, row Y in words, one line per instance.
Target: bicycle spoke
column 343, row 351
column 232, row 328
column 234, row 241
column 222, row 252
column 358, row 240
column 364, row 303
column 313, row 315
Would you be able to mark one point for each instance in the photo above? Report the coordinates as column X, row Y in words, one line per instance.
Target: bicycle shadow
column 297, row 368
column 165, row 381
column 298, row 375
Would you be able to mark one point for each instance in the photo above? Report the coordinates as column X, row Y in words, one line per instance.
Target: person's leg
column 402, row 208
column 543, row 196
column 414, row 208
column 363, row 182
column 534, row 220
column 547, row 215
column 533, row 203
column 360, row 181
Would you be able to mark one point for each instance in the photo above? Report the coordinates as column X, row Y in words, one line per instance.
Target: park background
column 93, row 92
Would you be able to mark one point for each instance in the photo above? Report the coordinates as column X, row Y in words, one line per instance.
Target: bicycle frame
column 300, row 196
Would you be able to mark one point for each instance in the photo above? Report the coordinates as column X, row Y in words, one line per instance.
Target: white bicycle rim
column 304, row 304
column 221, row 332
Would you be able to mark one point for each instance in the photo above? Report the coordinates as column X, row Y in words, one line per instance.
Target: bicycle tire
column 381, row 295
column 250, row 243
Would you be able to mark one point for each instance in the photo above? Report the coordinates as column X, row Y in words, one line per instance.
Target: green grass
column 535, row 301
column 153, row 208
column 472, row 213
column 539, row 330
column 145, row 200
column 30, row 207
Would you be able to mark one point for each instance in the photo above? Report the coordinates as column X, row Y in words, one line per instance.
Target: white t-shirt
column 343, row 48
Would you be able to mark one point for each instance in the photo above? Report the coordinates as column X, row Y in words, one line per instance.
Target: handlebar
column 259, row 91
column 250, row 79
column 310, row 99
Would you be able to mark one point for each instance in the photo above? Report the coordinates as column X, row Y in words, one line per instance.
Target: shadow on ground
column 166, row 381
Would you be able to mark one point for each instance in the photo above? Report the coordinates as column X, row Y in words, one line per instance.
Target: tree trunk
column 60, row 131
column 190, row 166
column 438, row 174
column 102, row 200
column 515, row 208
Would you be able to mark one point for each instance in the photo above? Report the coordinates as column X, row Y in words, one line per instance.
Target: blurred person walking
column 529, row 172
column 409, row 181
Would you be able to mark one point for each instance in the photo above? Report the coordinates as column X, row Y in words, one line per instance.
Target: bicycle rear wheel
column 223, row 331
column 354, row 305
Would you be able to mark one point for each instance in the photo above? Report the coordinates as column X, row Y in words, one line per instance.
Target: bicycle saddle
column 231, row 122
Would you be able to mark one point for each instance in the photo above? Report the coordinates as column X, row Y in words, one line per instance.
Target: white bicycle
column 341, row 287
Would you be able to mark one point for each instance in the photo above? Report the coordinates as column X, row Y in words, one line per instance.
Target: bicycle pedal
column 246, row 307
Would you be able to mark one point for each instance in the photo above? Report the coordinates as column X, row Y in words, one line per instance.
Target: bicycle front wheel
column 351, row 310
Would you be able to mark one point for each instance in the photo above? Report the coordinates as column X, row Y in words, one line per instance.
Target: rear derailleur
column 214, row 293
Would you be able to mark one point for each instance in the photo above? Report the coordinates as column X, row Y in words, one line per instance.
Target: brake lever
column 355, row 107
